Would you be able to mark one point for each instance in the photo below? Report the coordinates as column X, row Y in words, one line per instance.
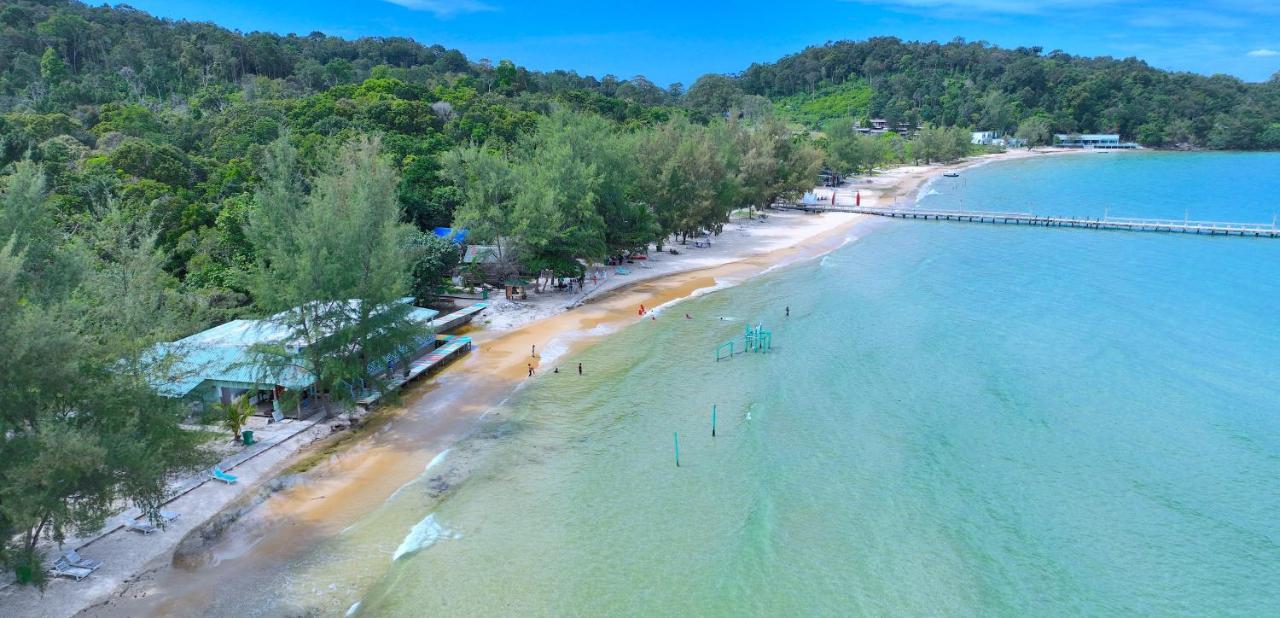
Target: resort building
column 1090, row 141
column 983, row 138
column 219, row 364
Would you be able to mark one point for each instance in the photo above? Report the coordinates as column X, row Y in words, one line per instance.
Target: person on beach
column 533, row 351
column 579, row 368
column 641, row 312
column 531, row 370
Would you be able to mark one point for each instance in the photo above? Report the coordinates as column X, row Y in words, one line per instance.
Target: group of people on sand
column 533, row 353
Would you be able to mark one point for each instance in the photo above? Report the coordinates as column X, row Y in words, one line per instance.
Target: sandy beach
column 295, row 496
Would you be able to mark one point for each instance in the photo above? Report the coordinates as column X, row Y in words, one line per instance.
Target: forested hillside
column 160, row 177
column 976, row 85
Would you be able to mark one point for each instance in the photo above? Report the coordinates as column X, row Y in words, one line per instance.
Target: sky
column 677, row 41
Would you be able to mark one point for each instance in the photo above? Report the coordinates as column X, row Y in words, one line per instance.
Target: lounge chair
column 141, row 525
column 62, row 568
column 74, row 559
column 219, row 475
column 146, row 525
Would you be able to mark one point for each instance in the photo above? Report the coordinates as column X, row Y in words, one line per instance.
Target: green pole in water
column 713, row 420
column 677, row 435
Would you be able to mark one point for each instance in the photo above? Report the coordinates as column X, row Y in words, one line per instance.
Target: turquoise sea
column 956, row 419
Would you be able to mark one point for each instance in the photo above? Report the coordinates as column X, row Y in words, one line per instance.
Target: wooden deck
column 1185, row 226
column 450, row 347
column 462, row 316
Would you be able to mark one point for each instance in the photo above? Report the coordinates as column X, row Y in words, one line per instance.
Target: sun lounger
column 141, row 525
column 219, row 475
column 62, row 568
column 74, row 559
column 146, row 525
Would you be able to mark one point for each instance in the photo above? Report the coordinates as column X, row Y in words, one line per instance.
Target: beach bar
column 1092, row 141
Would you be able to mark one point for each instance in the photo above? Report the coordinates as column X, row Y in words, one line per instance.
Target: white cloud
column 444, row 8
column 1263, row 53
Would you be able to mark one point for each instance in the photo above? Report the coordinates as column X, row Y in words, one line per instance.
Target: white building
column 984, row 138
column 1089, row 141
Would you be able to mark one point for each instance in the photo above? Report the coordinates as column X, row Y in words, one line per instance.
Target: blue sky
column 669, row 41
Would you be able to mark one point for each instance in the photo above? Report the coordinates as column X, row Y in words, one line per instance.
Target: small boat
column 951, row 175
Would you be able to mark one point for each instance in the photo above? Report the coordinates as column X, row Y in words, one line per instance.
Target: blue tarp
column 459, row 237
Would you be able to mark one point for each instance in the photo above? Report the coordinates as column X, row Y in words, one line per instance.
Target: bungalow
column 219, row 365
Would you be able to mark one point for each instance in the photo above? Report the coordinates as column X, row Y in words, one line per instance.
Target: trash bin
column 248, row 437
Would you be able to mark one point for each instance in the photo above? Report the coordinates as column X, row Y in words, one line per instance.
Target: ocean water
column 956, row 419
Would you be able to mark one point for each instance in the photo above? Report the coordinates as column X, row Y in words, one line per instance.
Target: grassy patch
column 848, row 100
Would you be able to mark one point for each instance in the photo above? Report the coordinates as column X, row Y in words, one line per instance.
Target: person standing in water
column 579, row 368
column 788, row 310
column 531, row 370
column 533, row 351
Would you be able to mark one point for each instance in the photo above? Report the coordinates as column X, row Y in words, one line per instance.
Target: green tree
column 81, row 428
column 235, row 414
column 333, row 269
column 1034, row 131
column 713, row 95
column 52, row 68
column 436, row 258
column 487, row 184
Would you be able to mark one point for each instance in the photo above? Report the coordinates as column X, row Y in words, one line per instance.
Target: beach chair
column 219, row 475
column 145, row 524
column 621, row 271
column 62, row 568
column 74, row 559
column 141, row 525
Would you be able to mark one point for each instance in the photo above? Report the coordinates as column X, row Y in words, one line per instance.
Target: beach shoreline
column 354, row 473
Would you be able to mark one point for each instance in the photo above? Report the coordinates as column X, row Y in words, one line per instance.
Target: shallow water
column 956, row 419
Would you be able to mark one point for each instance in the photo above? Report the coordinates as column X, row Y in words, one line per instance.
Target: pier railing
column 1184, row 226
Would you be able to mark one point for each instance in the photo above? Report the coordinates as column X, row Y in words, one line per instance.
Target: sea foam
column 437, row 460
column 422, row 536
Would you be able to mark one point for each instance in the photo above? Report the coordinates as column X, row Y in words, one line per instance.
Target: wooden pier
column 1184, row 226
column 458, row 318
column 448, row 347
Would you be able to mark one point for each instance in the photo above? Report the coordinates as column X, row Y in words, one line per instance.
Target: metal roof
column 223, row 354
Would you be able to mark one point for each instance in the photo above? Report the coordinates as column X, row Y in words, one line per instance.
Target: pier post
column 713, row 420
column 677, row 436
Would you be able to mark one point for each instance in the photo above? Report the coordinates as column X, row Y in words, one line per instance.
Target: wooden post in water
column 677, row 436
column 713, row 420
